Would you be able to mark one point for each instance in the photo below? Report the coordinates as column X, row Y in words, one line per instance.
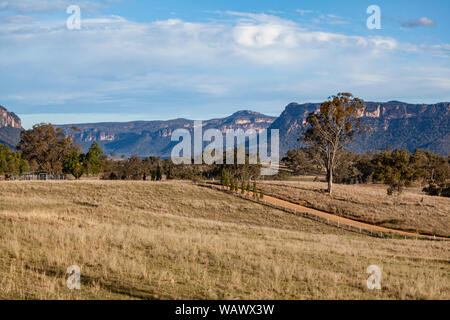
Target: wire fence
column 36, row 177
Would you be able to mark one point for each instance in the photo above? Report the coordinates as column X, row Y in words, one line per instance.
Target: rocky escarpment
column 394, row 124
column 10, row 128
column 9, row 119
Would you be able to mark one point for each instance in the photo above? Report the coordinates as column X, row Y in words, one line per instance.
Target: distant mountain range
column 144, row 138
column 394, row 124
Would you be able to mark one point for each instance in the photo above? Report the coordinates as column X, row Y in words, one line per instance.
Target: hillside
column 175, row 240
column 10, row 136
column 394, row 124
column 146, row 138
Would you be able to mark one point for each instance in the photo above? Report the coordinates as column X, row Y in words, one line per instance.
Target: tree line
column 12, row 163
column 45, row 148
column 397, row 169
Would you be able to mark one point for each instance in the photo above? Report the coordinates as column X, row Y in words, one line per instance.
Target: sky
column 157, row 60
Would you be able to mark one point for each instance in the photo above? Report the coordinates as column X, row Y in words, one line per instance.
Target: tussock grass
column 174, row 240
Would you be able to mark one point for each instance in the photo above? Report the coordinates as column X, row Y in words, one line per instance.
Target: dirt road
column 336, row 220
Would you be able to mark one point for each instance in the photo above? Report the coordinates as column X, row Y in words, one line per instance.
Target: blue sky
column 148, row 60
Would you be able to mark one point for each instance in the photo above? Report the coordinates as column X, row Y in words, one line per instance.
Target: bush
column 438, row 190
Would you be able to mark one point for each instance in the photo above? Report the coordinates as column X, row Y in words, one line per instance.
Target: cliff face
column 9, row 119
column 394, row 124
column 10, row 128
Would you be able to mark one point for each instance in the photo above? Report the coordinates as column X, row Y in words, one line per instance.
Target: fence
column 41, row 176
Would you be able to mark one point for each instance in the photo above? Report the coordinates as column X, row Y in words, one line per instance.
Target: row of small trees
column 244, row 186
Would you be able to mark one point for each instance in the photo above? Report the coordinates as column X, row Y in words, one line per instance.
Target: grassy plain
column 176, row 240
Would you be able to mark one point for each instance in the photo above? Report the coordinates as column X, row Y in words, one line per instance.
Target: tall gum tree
column 46, row 146
column 332, row 128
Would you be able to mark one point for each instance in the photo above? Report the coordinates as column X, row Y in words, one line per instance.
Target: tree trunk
column 330, row 181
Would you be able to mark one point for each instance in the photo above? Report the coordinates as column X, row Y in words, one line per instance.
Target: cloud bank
column 259, row 61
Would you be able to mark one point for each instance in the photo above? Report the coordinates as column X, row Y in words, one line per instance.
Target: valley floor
column 175, row 240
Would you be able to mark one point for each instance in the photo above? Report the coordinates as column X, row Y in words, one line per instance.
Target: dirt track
column 339, row 221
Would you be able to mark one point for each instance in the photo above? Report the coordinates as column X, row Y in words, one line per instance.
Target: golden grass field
column 176, row 240
column 412, row 211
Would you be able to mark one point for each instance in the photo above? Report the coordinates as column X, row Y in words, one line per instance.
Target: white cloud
column 304, row 12
column 421, row 22
column 47, row 6
column 115, row 61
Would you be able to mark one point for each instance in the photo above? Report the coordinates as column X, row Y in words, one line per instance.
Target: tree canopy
column 46, row 146
column 12, row 163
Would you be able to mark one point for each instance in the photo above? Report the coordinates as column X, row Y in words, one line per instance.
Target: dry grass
column 412, row 211
column 170, row 240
